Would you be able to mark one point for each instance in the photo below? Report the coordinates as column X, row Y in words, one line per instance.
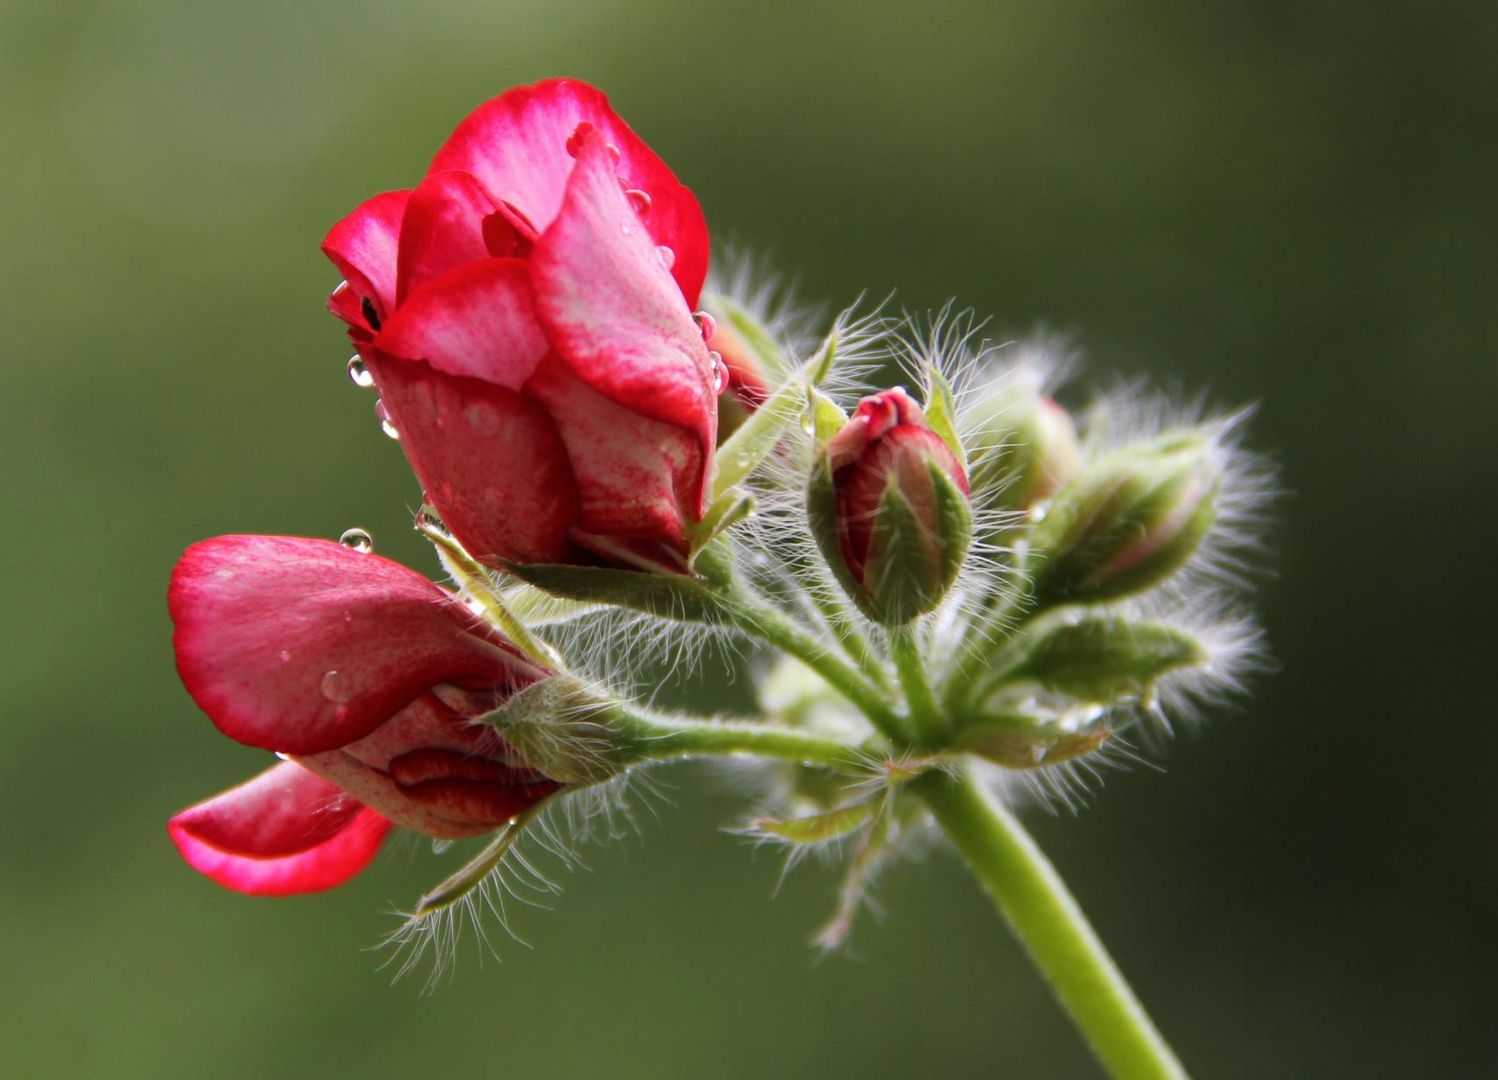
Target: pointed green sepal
column 1027, row 742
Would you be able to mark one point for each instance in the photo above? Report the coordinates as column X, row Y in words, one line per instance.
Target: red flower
column 892, row 515
column 526, row 312
column 367, row 676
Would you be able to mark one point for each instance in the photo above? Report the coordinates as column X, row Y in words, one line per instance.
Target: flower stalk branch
column 1031, row 896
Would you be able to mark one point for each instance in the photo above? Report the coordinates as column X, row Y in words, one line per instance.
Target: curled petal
column 517, row 145
column 611, row 311
column 477, row 320
column 490, row 461
column 432, row 771
column 286, row 831
column 636, row 478
column 301, row 645
column 364, row 247
column 443, row 227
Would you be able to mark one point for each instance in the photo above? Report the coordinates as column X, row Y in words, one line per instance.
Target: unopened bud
column 1105, row 659
column 1127, row 523
column 889, row 506
column 1026, row 447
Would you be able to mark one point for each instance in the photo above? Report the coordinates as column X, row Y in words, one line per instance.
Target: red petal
column 303, row 645
column 286, row 831
column 443, row 227
column 364, row 248
column 477, row 320
column 635, row 477
column 489, row 460
column 516, row 145
column 610, row 310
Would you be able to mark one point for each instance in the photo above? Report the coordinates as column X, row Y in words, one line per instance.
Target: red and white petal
column 611, row 311
column 286, row 831
column 517, row 145
column 477, row 320
column 365, row 246
column 301, row 645
column 490, row 461
column 443, row 227
column 636, row 478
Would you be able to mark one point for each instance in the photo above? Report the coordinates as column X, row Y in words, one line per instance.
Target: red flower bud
column 365, row 674
column 532, row 342
column 889, row 504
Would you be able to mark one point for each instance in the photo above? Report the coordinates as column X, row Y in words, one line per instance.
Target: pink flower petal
column 286, row 831
column 301, row 645
column 610, row 310
column 477, row 320
column 635, row 477
column 517, row 145
column 431, row 770
column 489, row 460
column 443, row 227
column 364, row 247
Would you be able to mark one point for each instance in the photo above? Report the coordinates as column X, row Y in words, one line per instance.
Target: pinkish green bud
column 889, row 506
column 1127, row 523
column 1026, row 447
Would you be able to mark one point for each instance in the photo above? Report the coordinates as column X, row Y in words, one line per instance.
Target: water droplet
column 359, row 374
column 285, row 655
column 340, row 288
column 283, row 757
column 720, row 372
column 336, row 688
column 666, row 255
column 808, row 422
column 440, row 846
column 639, row 201
column 613, row 152
column 383, row 415
column 357, row 539
column 706, row 323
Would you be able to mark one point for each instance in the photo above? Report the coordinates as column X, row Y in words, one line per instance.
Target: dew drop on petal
column 357, row 539
column 340, row 288
column 284, row 655
column 720, row 372
column 613, row 152
column 639, row 201
column 336, row 688
column 283, row 757
column 383, row 415
column 666, row 255
column 706, row 323
column 359, row 374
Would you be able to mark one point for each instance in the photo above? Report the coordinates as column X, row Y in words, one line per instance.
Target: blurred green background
column 1279, row 202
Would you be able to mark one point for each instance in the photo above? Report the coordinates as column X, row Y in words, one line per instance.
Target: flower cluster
column 964, row 576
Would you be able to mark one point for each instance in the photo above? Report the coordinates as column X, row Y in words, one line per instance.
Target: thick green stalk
column 664, row 738
column 1032, row 897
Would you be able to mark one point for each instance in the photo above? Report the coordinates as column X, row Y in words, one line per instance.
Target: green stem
column 854, row 643
column 759, row 618
column 905, row 650
column 1032, row 897
column 665, row 738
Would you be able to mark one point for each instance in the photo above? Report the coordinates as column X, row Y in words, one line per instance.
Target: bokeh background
column 1279, row 202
